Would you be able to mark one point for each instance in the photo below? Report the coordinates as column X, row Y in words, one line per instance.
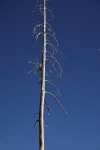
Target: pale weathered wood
column 49, row 49
column 42, row 96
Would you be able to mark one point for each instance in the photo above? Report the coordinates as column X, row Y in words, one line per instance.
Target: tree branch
column 37, row 36
column 48, row 108
column 53, row 66
column 57, row 101
column 50, row 12
column 53, row 37
column 38, row 25
column 55, row 60
column 54, row 87
column 50, row 27
column 52, row 46
column 36, row 122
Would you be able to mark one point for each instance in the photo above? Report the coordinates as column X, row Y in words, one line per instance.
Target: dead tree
column 47, row 64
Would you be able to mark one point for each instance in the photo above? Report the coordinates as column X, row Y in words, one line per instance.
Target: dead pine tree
column 47, row 65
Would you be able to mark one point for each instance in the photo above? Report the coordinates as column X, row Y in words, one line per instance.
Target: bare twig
column 52, row 46
column 36, row 122
column 51, row 53
column 50, row 12
column 57, row 101
column 53, row 66
column 37, row 26
column 54, row 87
column 48, row 108
column 37, row 36
column 54, row 38
column 55, row 60
column 50, row 28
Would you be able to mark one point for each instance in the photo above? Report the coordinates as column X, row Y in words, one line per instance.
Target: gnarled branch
column 54, row 87
column 57, row 101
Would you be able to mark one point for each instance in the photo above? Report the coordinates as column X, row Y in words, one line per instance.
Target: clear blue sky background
column 77, row 26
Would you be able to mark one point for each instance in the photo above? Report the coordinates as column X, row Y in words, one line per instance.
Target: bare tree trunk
column 46, row 66
column 42, row 97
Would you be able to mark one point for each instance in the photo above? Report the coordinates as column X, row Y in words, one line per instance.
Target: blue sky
column 77, row 27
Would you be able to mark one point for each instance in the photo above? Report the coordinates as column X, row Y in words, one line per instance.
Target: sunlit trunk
column 42, row 96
